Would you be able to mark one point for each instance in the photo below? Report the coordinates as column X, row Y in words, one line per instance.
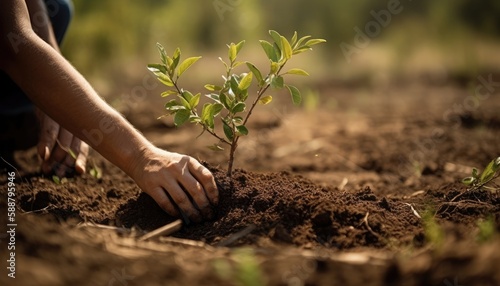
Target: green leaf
column 72, row 153
column 175, row 59
column 194, row 119
column 277, row 51
column 206, row 115
column 301, row 50
column 256, row 72
column 233, row 81
column 225, row 64
column 276, row 38
column 187, row 95
column 277, row 82
column 56, row 179
column 246, row 81
column 232, row 52
column 212, row 87
column 475, row 173
column 488, row 173
column 181, row 116
column 163, row 78
column 186, row 64
column 269, row 50
column 215, row 147
column 274, row 68
column 173, row 105
column 297, row 72
column 313, row 42
column 238, row 107
column 242, row 130
column 169, row 65
column 286, row 48
column 294, row 38
column 163, row 53
column 216, row 109
column 236, row 64
column 225, row 100
column 157, row 68
column 168, row 92
column 239, row 46
column 95, row 172
column 469, row 181
column 215, row 97
column 496, row 165
column 184, row 102
column 295, row 93
column 300, row 41
column 228, row 131
column 238, row 120
column 195, row 100
column 266, row 100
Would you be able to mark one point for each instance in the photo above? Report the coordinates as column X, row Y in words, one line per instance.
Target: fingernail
column 80, row 168
column 46, row 154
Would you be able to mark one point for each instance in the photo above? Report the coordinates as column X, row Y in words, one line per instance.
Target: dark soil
column 346, row 195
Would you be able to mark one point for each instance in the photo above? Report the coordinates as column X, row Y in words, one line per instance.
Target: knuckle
column 166, row 205
column 181, row 201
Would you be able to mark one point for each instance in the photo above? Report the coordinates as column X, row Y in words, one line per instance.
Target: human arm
column 60, row 91
column 59, row 149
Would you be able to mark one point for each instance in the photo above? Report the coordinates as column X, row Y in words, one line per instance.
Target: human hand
column 61, row 152
column 174, row 180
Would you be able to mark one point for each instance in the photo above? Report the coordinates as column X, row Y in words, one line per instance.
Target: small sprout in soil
column 245, row 270
column 56, row 179
column 479, row 181
column 229, row 103
column 59, row 181
column 486, row 229
column 95, row 171
column 434, row 234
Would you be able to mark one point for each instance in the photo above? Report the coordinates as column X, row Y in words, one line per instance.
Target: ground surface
column 360, row 188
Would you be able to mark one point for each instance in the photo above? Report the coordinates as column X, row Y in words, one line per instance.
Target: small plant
column 434, row 234
column 490, row 173
column 486, row 229
column 229, row 99
column 243, row 268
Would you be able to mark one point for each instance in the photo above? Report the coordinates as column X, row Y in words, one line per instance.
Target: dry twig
column 164, row 230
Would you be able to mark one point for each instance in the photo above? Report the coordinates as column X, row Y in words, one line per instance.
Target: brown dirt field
column 345, row 192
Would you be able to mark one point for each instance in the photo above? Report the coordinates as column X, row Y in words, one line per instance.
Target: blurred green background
column 111, row 42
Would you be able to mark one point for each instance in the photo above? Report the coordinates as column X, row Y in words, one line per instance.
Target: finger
column 73, row 152
column 49, row 131
column 81, row 159
column 62, row 147
column 181, row 199
column 195, row 189
column 207, row 180
column 160, row 196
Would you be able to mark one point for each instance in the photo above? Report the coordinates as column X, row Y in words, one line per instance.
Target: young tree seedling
column 229, row 101
column 490, row 173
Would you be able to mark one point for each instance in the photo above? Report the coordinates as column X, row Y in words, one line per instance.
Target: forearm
column 62, row 93
column 40, row 22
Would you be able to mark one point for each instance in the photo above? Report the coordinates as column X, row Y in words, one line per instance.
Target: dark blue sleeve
column 12, row 98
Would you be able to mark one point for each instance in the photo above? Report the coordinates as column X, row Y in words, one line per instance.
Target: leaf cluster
column 478, row 181
column 228, row 101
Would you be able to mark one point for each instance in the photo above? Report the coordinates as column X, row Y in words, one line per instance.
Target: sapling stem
column 229, row 100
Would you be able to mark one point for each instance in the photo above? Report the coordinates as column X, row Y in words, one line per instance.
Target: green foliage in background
column 118, row 34
column 229, row 99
